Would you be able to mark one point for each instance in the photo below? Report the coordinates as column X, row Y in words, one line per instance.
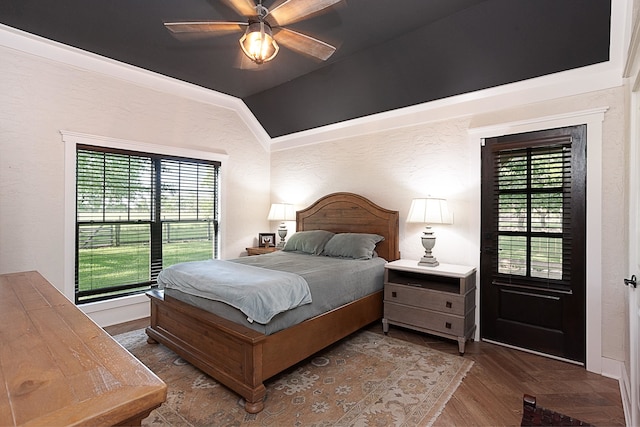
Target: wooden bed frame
column 241, row 358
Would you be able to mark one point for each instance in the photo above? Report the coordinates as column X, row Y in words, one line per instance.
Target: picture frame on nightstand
column 266, row 239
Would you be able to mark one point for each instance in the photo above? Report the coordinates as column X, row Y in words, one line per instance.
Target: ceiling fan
column 264, row 28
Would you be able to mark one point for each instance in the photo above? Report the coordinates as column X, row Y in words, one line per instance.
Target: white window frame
column 130, row 307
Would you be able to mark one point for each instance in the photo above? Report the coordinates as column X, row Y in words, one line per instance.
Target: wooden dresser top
column 57, row 367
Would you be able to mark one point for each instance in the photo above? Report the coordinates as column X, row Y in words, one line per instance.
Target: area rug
column 366, row 379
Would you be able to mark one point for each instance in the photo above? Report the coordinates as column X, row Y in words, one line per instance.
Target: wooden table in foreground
column 57, row 367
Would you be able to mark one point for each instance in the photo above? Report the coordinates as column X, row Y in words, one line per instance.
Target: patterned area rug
column 366, row 379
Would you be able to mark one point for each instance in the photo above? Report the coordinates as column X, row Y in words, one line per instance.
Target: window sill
column 117, row 310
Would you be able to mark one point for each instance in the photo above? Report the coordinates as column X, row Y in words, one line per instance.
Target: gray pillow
column 352, row 245
column 310, row 242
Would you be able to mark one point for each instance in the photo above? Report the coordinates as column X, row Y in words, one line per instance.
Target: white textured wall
column 392, row 167
column 39, row 97
column 615, row 208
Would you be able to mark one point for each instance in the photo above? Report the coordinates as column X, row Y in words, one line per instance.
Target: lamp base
column 282, row 232
column 429, row 261
column 428, row 242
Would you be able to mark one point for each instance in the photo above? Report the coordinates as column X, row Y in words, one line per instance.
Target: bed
column 242, row 358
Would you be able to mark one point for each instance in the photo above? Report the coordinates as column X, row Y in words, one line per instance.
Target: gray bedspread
column 333, row 282
column 258, row 292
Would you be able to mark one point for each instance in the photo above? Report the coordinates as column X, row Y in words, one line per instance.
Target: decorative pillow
column 352, row 245
column 310, row 242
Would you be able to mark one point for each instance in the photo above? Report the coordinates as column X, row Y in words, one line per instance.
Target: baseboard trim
column 625, row 394
column 611, row 368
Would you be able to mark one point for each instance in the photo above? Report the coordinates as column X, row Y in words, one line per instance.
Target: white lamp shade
column 430, row 211
column 282, row 212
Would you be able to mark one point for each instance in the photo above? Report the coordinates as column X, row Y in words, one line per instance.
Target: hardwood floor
column 127, row 327
column 491, row 393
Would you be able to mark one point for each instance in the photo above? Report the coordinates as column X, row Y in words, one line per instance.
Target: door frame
column 631, row 381
column 593, row 118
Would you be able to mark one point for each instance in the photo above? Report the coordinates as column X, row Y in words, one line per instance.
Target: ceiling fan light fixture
column 258, row 43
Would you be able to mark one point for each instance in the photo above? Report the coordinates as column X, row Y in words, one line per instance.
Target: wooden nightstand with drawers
column 437, row 300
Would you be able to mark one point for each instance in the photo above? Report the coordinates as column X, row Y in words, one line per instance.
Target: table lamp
column 282, row 212
column 429, row 211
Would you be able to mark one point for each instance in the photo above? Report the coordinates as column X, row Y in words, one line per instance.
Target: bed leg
column 254, row 407
column 149, row 339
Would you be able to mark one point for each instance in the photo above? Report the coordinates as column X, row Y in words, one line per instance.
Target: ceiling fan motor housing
column 261, row 11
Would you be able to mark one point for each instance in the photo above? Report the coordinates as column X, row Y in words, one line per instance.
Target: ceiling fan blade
column 201, row 29
column 302, row 43
column 242, row 7
column 295, row 10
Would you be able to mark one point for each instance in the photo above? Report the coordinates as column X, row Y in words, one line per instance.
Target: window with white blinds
column 138, row 213
column 532, row 190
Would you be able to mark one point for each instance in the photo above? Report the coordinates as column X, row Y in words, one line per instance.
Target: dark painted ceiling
column 391, row 53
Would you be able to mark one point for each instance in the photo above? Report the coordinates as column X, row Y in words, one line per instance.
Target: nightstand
column 437, row 300
column 261, row 250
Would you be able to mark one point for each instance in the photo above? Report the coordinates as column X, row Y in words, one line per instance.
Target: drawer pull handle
column 449, row 304
column 394, row 294
column 447, row 325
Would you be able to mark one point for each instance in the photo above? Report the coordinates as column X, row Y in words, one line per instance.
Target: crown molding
column 48, row 49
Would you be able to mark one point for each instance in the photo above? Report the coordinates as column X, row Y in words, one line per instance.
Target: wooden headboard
column 351, row 213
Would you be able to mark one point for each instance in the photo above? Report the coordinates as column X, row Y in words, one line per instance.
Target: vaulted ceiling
column 391, row 53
